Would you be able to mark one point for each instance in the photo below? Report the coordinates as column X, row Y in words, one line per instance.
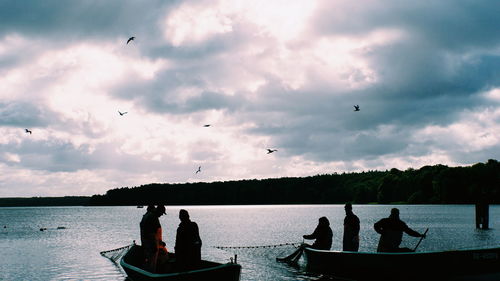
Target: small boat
column 477, row 264
column 207, row 270
column 140, row 206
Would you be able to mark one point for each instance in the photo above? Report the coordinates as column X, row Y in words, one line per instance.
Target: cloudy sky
column 264, row 74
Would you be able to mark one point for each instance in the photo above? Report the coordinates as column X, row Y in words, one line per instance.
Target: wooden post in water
column 482, row 213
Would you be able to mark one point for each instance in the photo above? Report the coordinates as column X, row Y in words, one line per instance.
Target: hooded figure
column 323, row 235
column 187, row 242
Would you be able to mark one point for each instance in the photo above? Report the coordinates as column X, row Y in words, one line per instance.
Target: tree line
column 45, row 201
column 438, row 184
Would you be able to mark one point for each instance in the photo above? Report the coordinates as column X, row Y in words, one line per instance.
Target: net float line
column 258, row 247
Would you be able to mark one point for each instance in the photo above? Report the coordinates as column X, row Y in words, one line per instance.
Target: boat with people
column 471, row 264
column 206, row 270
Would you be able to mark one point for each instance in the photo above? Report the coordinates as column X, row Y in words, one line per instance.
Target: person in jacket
column 322, row 235
column 391, row 233
column 350, row 241
column 187, row 242
column 151, row 236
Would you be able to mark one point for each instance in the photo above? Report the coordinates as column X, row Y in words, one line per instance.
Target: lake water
column 73, row 253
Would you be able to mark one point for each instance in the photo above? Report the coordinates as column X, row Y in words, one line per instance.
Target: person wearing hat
column 391, row 230
column 350, row 240
column 151, row 236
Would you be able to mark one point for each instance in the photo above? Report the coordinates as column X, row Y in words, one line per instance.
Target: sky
column 264, row 74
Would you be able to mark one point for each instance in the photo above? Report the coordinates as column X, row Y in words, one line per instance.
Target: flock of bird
column 269, row 151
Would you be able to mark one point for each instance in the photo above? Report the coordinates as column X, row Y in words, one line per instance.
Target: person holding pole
column 391, row 230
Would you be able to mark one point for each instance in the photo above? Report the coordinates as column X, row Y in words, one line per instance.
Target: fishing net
column 116, row 254
column 266, row 252
column 269, row 262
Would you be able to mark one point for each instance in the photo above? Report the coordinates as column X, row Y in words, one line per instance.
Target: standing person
column 151, row 235
column 350, row 241
column 187, row 242
column 391, row 230
column 323, row 235
column 146, row 217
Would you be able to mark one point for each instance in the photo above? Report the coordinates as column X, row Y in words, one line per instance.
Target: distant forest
column 436, row 184
column 45, row 201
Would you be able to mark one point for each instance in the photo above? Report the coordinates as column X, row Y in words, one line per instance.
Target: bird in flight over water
column 130, row 39
column 206, row 126
column 356, row 108
column 199, row 170
column 122, row 113
column 269, row 151
column 28, row 131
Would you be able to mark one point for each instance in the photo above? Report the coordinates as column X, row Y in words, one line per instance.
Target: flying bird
column 130, row 39
column 28, row 131
column 199, row 170
column 122, row 113
column 356, row 108
column 269, row 151
column 206, row 126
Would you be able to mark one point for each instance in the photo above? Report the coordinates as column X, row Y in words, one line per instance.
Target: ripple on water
column 73, row 253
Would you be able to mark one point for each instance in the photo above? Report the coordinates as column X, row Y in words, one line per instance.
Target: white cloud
column 11, row 157
column 474, row 131
column 493, row 94
column 193, row 23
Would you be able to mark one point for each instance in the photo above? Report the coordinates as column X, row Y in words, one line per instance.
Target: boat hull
column 482, row 264
column 208, row 271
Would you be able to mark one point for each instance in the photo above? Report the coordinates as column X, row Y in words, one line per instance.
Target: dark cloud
column 446, row 60
column 452, row 25
column 99, row 19
column 199, row 102
column 57, row 155
column 25, row 114
column 40, row 116
column 8, row 61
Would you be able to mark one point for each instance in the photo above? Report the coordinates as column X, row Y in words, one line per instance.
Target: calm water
column 73, row 253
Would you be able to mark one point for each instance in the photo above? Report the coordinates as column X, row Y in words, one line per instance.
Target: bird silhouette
column 207, row 125
column 122, row 113
column 28, row 131
column 269, row 151
column 130, row 39
column 199, row 170
column 356, row 108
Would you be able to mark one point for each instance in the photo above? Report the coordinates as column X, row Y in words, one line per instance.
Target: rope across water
column 258, row 247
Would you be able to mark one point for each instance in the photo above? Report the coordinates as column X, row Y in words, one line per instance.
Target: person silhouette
column 187, row 242
column 350, row 241
column 323, row 235
column 151, row 235
column 391, row 230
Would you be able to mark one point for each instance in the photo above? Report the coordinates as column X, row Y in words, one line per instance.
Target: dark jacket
column 188, row 243
column 350, row 241
column 391, row 230
column 323, row 235
column 149, row 226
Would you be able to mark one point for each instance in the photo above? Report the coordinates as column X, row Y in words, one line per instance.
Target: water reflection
column 73, row 253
